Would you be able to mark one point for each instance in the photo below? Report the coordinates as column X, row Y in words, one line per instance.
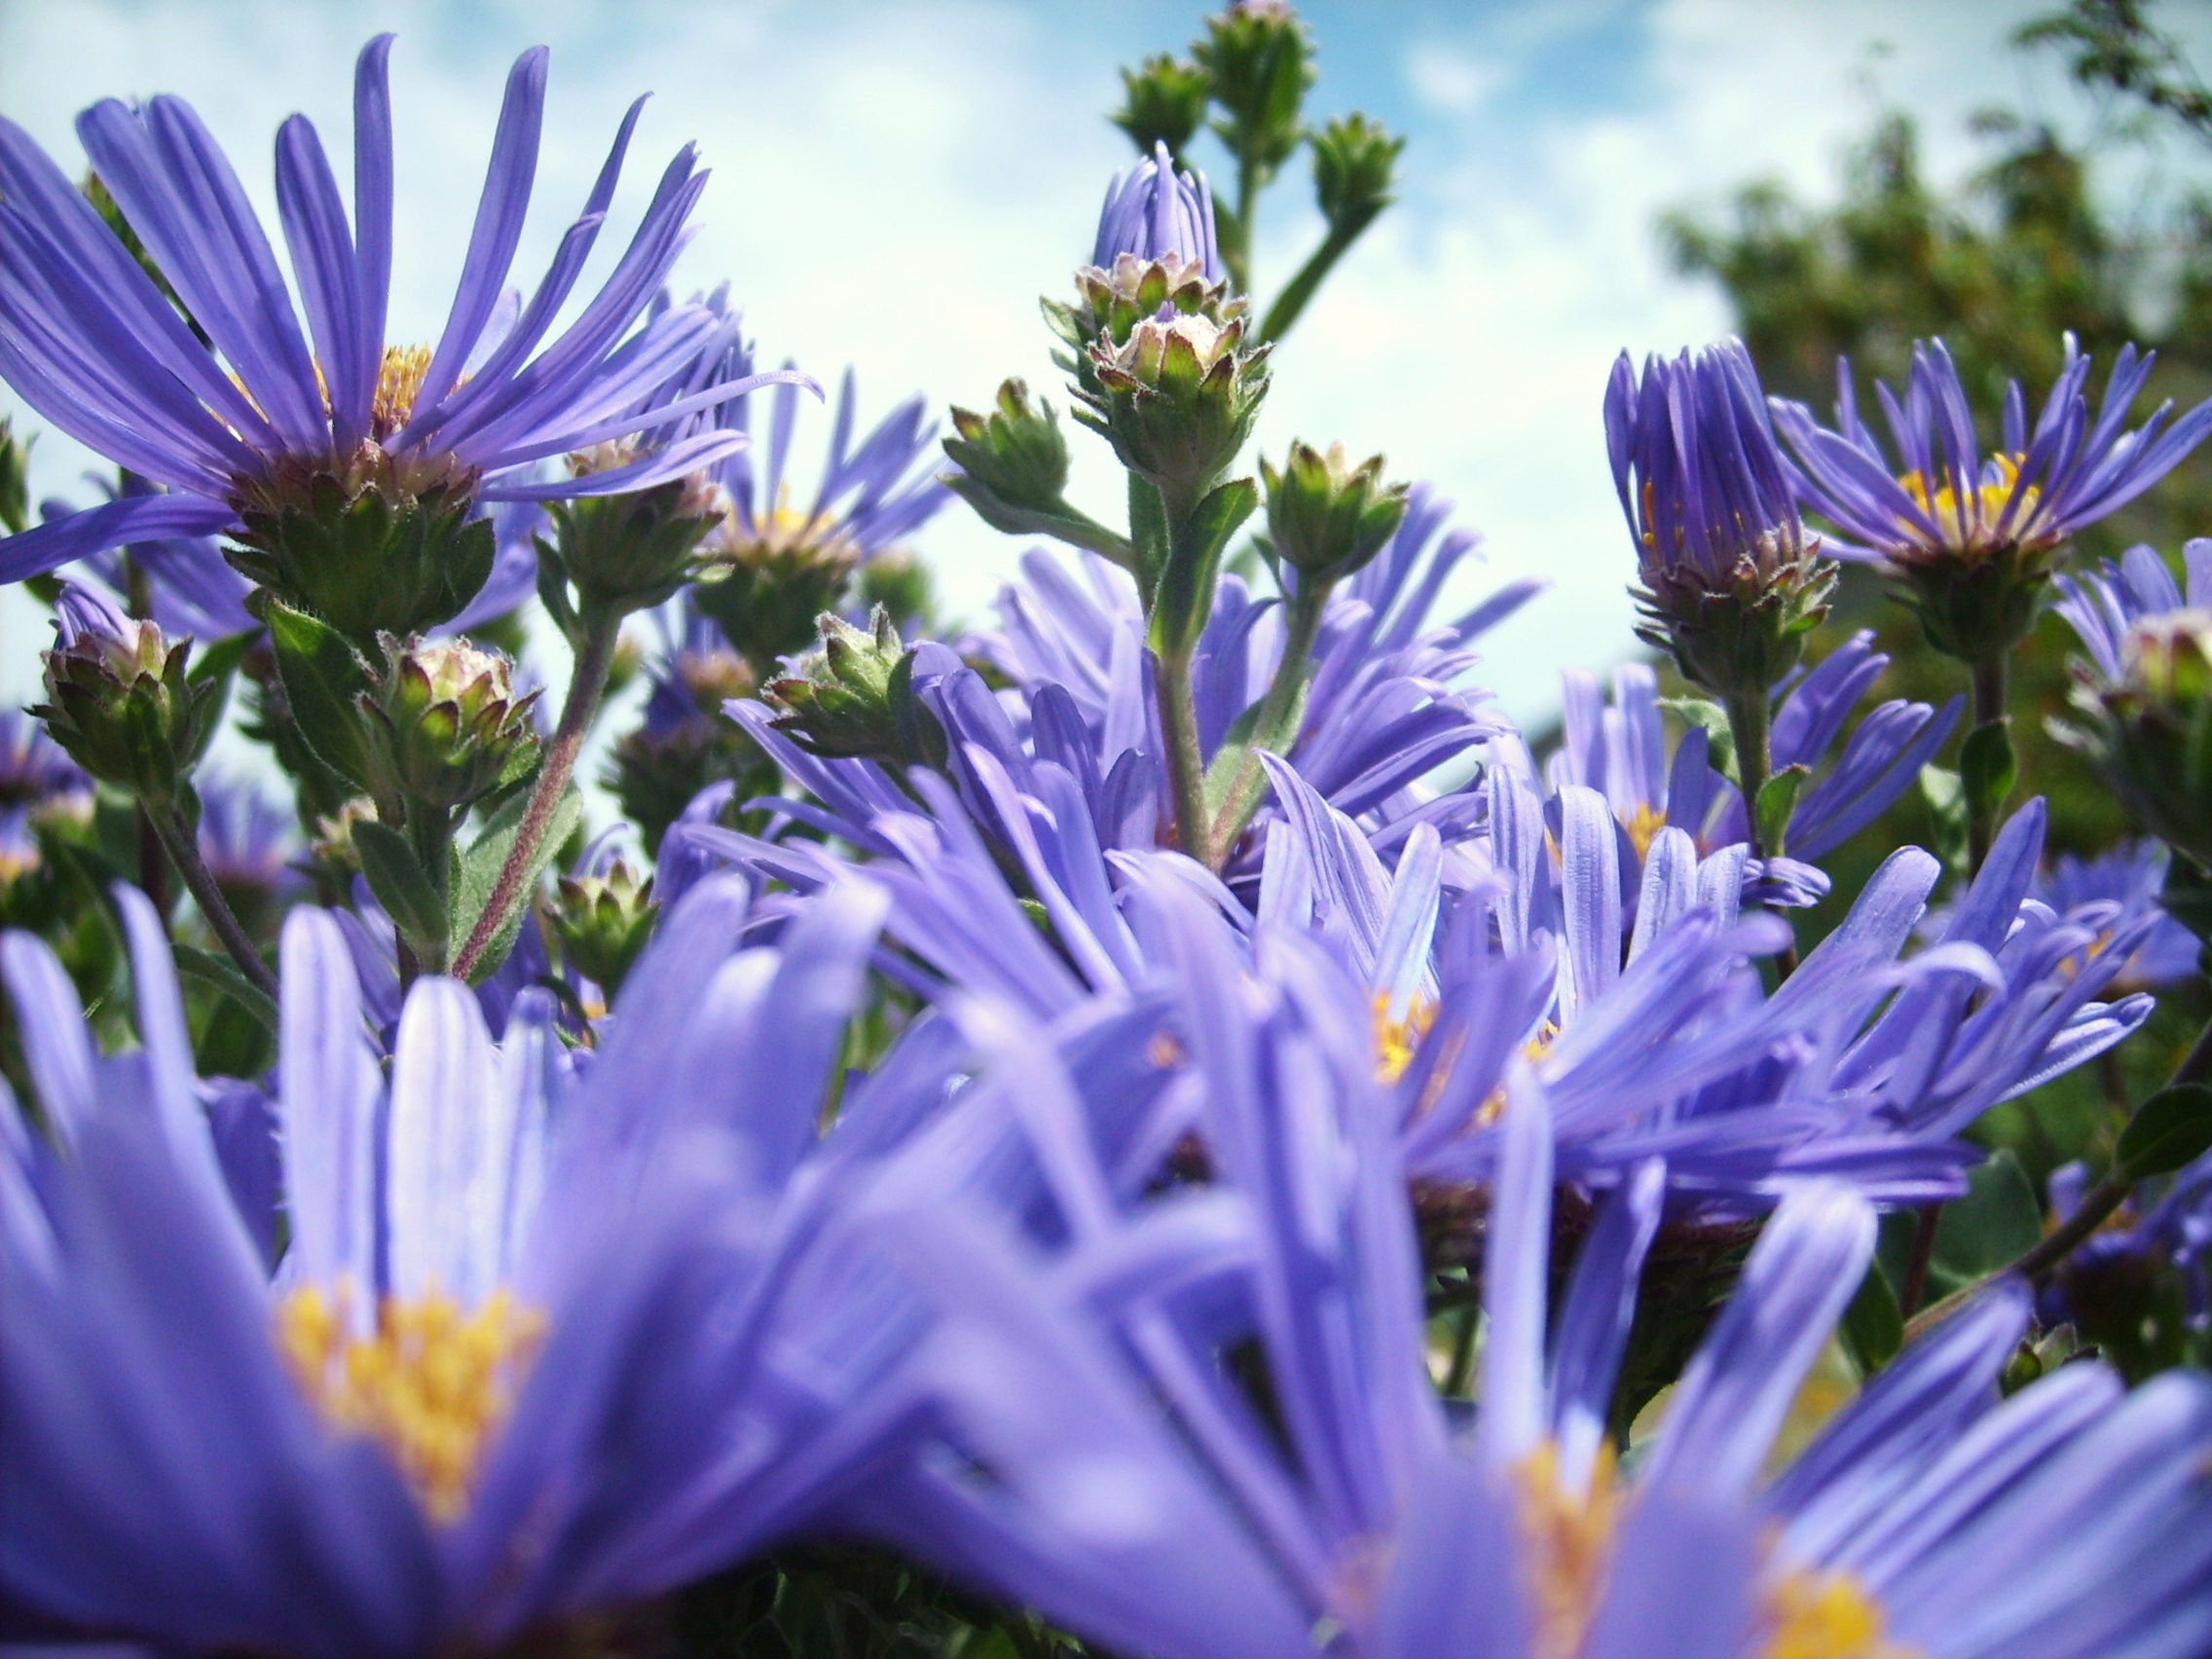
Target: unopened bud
column 1326, row 518
column 1162, row 102
column 854, row 698
column 1355, row 163
column 603, row 920
column 446, row 725
column 1177, row 399
column 119, row 701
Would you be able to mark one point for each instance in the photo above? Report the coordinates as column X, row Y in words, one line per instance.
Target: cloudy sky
column 896, row 183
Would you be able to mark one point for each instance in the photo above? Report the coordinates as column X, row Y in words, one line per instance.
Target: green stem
column 1989, row 698
column 1275, row 728
column 1291, row 303
column 587, row 685
column 1750, row 729
column 184, row 852
column 429, row 830
column 2096, row 1206
column 1186, row 763
column 1238, row 256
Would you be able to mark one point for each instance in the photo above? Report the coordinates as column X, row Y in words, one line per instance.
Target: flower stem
column 2096, row 1206
column 1291, row 303
column 1989, row 699
column 1750, row 729
column 1282, row 710
column 1186, row 763
column 184, row 852
column 587, row 685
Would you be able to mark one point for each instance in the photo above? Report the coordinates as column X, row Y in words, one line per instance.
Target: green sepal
column 325, row 680
column 1988, row 769
column 2171, row 1128
column 1946, row 798
column 1184, row 598
column 1777, row 803
column 1711, row 719
column 408, row 892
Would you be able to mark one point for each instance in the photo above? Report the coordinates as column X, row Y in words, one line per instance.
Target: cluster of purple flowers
column 1406, row 1226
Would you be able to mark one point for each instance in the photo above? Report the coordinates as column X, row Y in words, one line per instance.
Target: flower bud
column 686, row 744
column 1154, row 211
column 603, row 920
column 630, row 552
column 369, row 544
column 1354, row 162
column 766, row 594
column 1162, row 102
column 119, row 702
column 445, row 725
column 2149, row 728
column 1112, row 300
column 854, row 698
column 1177, row 398
column 1014, row 461
column 1326, row 518
column 896, row 581
column 1260, row 63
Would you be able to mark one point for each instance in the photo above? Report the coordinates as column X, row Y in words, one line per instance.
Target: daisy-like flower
column 2129, row 879
column 546, row 1340
column 2140, row 1285
column 1932, row 1517
column 1731, row 578
column 1978, row 536
column 2105, row 604
column 326, row 451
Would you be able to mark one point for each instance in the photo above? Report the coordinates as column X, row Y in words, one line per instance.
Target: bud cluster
column 120, row 702
column 1177, row 398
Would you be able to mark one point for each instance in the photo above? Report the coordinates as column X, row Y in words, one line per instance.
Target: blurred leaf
column 2171, row 1128
column 1998, row 1220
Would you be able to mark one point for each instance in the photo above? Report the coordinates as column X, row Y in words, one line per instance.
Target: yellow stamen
column 1984, row 506
column 1641, row 824
column 1396, row 1039
column 1570, row 1538
column 431, row 1385
column 1825, row 1616
column 399, row 381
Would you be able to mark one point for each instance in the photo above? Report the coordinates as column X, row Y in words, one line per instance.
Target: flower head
column 345, row 464
column 1976, row 535
column 1156, row 212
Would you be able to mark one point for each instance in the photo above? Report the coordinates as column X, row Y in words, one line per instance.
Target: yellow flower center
column 1825, row 1616
column 1641, row 824
column 1397, row 1037
column 1807, row 1615
column 431, row 1385
column 399, row 381
column 1984, row 503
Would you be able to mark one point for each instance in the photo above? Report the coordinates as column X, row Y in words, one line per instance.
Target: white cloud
column 1452, row 81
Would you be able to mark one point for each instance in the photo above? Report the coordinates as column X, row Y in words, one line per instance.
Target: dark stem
column 1916, row 1265
column 199, row 881
column 1276, row 727
column 1989, row 698
column 587, row 685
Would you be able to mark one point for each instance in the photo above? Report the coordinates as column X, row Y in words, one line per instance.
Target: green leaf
column 1873, row 1325
column 1711, row 719
column 1998, row 1220
column 1778, row 801
column 401, row 885
column 1988, row 769
column 216, row 662
column 1946, row 800
column 322, row 679
column 476, row 871
column 2171, row 1128
column 224, row 974
column 1184, row 598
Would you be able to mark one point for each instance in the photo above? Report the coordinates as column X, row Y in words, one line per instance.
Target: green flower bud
column 630, row 552
column 1110, row 303
column 1176, row 399
column 765, row 589
column 1326, row 518
column 1261, row 62
column 604, row 921
column 445, row 726
column 2149, row 730
column 1162, row 102
column 1977, row 608
column 119, row 701
column 332, row 860
column 688, row 744
column 1355, row 161
column 854, row 698
column 15, row 480
column 1014, row 461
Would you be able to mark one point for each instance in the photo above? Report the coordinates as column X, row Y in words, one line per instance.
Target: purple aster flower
column 1941, row 499
column 705, row 1354
column 2128, row 880
column 2111, row 1286
column 1155, row 212
column 93, row 345
column 36, row 777
column 1730, row 577
column 2104, row 605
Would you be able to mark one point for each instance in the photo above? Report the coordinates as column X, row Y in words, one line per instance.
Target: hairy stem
column 586, row 686
column 184, row 852
column 1750, row 729
column 1186, row 763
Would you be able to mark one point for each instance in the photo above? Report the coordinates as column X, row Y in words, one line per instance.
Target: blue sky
column 896, row 183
